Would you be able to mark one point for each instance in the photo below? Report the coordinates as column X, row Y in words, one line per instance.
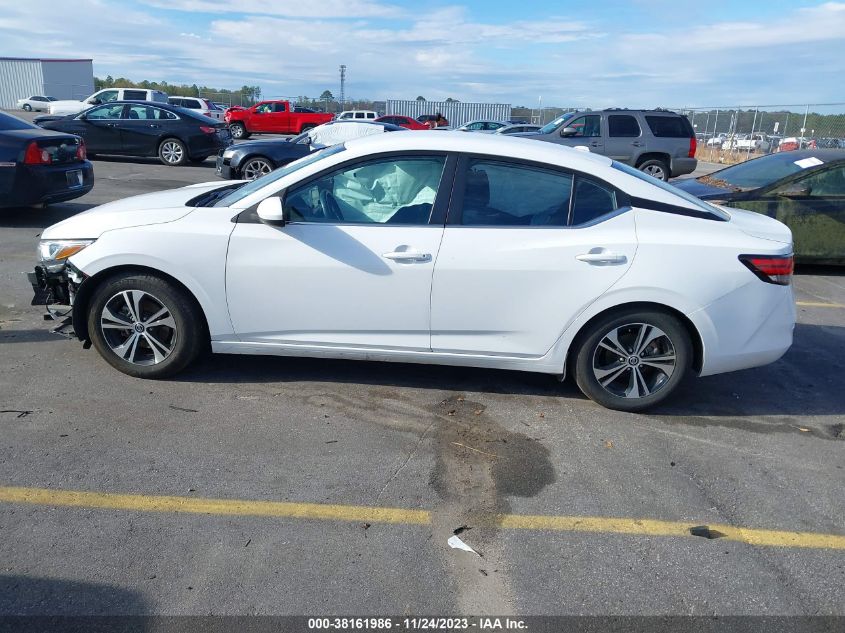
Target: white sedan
column 434, row 247
column 35, row 102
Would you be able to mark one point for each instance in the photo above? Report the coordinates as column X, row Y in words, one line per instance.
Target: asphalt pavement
column 260, row 485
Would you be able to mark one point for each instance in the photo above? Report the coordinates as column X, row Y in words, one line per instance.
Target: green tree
column 420, row 98
column 451, row 100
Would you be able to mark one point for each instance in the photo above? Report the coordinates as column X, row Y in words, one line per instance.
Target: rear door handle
column 407, row 256
column 637, row 143
column 602, row 258
column 154, row 125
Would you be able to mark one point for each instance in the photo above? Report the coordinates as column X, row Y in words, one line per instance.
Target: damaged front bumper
column 57, row 290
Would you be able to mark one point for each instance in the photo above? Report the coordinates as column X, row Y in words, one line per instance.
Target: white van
column 106, row 95
column 358, row 115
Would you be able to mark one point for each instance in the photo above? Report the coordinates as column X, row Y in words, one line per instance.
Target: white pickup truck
column 753, row 142
column 104, row 96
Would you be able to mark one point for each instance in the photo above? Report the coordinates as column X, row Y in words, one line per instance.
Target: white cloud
column 287, row 8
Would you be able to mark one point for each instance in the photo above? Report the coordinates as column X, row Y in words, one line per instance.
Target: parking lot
column 261, row 485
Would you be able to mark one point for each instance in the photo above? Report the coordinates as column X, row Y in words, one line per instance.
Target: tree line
column 245, row 95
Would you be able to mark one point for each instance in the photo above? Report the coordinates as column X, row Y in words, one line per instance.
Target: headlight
column 53, row 253
column 228, row 153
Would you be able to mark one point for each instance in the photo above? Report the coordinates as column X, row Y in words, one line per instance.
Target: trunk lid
column 758, row 225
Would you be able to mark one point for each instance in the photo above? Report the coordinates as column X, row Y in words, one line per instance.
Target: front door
column 352, row 267
column 101, row 129
column 526, row 249
column 588, row 132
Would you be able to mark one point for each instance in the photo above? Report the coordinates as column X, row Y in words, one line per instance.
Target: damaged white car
column 433, row 247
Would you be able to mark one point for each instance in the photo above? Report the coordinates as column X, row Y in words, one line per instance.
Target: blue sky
column 637, row 53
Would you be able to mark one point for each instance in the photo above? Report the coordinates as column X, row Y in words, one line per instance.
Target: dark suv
column 659, row 142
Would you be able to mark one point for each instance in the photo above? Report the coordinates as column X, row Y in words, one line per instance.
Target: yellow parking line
column 371, row 514
column 819, row 304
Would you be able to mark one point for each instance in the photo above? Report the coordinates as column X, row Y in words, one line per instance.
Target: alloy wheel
column 634, row 360
column 172, row 152
column 138, row 327
column 256, row 168
column 656, row 171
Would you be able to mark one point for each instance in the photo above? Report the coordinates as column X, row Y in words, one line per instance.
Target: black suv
column 659, row 142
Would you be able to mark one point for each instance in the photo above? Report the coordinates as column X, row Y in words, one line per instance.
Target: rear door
column 142, row 127
column 526, row 249
column 624, row 138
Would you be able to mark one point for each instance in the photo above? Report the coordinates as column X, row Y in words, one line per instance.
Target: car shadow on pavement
column 32, row 597
column 208, row 163
column 808, row 380
column 35, row 218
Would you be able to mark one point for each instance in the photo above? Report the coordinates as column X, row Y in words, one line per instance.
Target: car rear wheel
column 306, row 127
column 256, row 167
column 238, row 131
column 632, row 361
column 657, row 168
column 27, row 107
column 172, row 152
column 145, row 326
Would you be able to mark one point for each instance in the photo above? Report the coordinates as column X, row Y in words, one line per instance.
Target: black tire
column 158, row 350
column 27, row 107
column 238, row 131
column 306, row 127
column 627, row 377
column 172, row 152
column 655, row 167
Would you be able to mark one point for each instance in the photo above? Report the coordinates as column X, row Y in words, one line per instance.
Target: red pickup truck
column 271, row 117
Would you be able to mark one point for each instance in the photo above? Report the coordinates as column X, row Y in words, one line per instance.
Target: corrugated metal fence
column 456, row 112
column 19, row 79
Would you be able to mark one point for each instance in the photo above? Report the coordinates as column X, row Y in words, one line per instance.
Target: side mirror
column 270, row 211
column 568, row 131
column 94, row 101
column 795, row 191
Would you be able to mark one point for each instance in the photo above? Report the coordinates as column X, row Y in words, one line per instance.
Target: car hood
column 759, row 225
column 700, row 189
column 148, row 208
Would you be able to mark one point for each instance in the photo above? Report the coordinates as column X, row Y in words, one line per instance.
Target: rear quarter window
column 135, row 95
column 669, row 126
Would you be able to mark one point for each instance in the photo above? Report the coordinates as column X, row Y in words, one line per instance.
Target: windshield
column 9, row 122
column 259, row 183
column 548, row 128
column 755, row 173
column 688, row 197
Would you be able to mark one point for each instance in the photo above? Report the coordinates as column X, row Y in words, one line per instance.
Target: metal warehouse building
column 60, row 78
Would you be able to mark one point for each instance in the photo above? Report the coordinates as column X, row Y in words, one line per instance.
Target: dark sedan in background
column 804, row 189
column 37, row 166
column 252, row 159
column 140, row 128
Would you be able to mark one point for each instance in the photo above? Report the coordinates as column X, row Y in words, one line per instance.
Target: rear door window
column 509, row 194
column 623, row 126
column 669, row 126
column 592, row 200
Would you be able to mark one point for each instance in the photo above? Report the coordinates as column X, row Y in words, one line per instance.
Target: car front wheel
column 256, row 167
column 27, row 107
column 632, row 361
column 145, row 326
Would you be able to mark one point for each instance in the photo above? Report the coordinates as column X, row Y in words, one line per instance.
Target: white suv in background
column 358, row 115
column 106, row 95
column 203, row 106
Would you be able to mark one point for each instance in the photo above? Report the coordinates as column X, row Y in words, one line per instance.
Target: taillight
column 773, row 269
column 81, row 154
column 36, row 155
column 693, row 145
column 208, row 130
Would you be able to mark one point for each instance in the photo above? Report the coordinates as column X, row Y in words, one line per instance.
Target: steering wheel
column 331, row 210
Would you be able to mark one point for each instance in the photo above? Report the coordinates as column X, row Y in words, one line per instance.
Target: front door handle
column 154, row 125
column 637, row 143
column 407, row 256
column 604, row 257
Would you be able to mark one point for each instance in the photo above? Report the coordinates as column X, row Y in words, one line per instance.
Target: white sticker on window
column 804, row 163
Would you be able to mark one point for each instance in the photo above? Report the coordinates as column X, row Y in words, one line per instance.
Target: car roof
column 825, row 155
column 501, row 146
